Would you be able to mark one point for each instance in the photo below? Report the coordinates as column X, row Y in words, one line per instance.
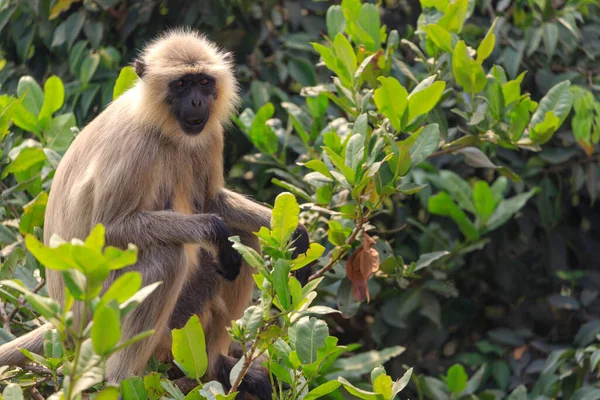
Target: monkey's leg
column 160, row 263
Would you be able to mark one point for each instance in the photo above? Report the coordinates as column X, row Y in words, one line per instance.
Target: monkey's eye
column 180, row 83
column 204, row 81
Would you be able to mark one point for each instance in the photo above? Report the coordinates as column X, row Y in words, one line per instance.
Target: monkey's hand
column 300, row 243
column 230, row 260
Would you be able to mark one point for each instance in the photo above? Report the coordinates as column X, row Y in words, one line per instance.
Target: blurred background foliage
column 524, row 301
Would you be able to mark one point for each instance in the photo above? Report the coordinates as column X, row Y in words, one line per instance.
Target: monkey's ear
column 140, row 68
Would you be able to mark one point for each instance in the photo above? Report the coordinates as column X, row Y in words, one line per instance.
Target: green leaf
column 391, row 99
column 441, row 37
column 32, row 94
column 459, row 189
column 355, row 151
column 189, row 348
column 454, row 16
column 261, row 134
column 281, row 272
column 33, row 213
column 127, row 78
column 363, row 363
column 123, row 288
column 383, row 386
column 345, row 53
column 426, row 259
column 26, row 159
column 340, row 165
column 442, row 204
column 284, row 218
column 495, row 98
column 425, row 144
column 468, row 73
column 501, row 374
column 133, row 389
column 550, row 37
column 58, row 135
column 322, row 390
column 369, row 21
column 487, row 44
column 54, row 98
column 106, row 330
column 109, row 393
column 485, row 203
column 12, row 391
column 401, row 383
column 309, row 335
column 360, row 393
column 315, row 250
column 88, row 68
column 460, row 66
column 543, row 131
column 250, row 255
column 336, row 23
column 425, row 100
column 559, row 100
column 456, row 379
column 507, row 208
column 68, row 30
column 318, row 166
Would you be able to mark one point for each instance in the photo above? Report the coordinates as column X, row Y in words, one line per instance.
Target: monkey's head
column 186, row 82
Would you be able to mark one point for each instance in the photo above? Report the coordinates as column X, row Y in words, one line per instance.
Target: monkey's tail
column 32, row 341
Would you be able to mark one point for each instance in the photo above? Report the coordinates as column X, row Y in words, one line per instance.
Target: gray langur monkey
column 150, row 168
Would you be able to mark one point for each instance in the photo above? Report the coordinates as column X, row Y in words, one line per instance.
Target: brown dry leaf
column 360, row 266
column 519, row 351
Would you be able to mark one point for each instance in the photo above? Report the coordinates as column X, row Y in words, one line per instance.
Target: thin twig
column 334, row 260
column 247, row 363
column 8, row 319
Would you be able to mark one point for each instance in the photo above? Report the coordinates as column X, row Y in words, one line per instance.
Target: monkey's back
column 108, row 153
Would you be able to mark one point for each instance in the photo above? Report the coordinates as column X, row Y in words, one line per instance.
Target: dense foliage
column 443, row 154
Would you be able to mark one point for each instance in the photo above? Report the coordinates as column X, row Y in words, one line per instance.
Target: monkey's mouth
column 193, row 126
column 194, row 121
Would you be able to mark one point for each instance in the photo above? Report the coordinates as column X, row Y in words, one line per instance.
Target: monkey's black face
column 191, row 97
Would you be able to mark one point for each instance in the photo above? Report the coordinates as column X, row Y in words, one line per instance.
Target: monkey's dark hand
column 230, row 260
column 301, row 242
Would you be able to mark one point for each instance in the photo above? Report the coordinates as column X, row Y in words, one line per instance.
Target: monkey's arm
column 165, row 228
column 241, row 213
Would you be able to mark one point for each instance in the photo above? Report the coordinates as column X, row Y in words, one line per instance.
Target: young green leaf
column 281, row 272
column 133, row 389
column 487, row 44
column 391, row 99
column 336, row 23
column 33, row 97
column 424, row 100
column 106, row 330
column 484, row 200
column 456, row 379
column 442, row 204
column 441, row 37
column 189, row 348
column 559, row 100
column 345, row 53
column 284, row 218
column 315, row 250
column 322, row 390
column 261, row 135
column 54, row 97
column 383, row 386
column 127, row 78
column 425, row 144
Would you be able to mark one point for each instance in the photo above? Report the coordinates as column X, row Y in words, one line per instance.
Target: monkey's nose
column 196, row 103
